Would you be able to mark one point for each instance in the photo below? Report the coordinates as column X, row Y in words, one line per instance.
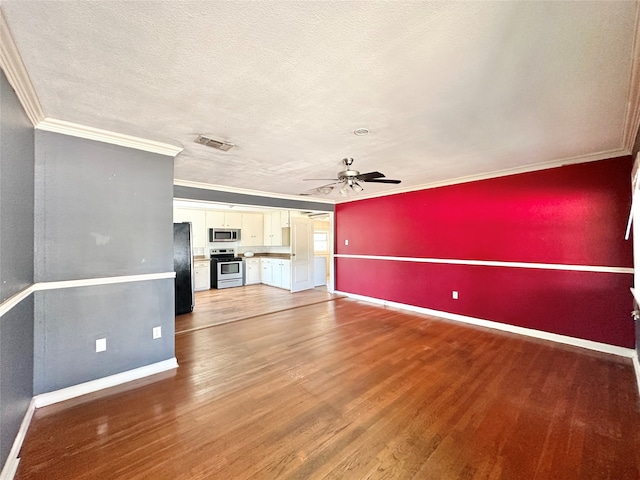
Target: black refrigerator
column 183, row 266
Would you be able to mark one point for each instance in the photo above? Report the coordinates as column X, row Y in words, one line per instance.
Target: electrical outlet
column 454, row 294
column 346, row 242
column 101, row 344
column 157, row 332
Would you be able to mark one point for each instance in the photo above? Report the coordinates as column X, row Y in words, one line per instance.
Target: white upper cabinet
column 233, row 220
column 252, row 231
column 272, row 229
column 221, row 219
column 276, row 228
column 285, row 219
column 215, row 219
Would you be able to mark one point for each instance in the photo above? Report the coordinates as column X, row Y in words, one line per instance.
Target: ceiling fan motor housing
column 346, row 174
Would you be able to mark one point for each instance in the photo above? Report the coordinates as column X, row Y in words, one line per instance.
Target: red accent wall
column 574, row 214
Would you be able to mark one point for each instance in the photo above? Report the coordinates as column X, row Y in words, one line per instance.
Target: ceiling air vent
column 210, row 142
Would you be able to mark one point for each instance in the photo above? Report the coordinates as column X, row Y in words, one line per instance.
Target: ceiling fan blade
column 367, row 176
column 382, row 180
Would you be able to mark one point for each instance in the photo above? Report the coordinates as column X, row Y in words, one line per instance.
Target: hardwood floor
column 214, row 307
column 346, row 390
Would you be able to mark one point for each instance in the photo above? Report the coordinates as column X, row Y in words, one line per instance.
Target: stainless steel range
column 226, row 268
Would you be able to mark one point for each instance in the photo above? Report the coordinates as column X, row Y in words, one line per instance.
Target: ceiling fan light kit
column 350, row 186
column 355, row 186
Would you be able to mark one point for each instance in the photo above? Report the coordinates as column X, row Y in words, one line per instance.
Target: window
column 320, row 241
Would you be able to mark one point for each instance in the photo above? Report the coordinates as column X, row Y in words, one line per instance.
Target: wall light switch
column 454, row 294
column 101, row 344
column 157, row 332
column 346, row 242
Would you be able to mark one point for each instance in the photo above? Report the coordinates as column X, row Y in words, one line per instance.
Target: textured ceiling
column 447, row 89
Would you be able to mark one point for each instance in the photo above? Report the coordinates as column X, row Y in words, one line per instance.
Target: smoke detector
column 213, row 143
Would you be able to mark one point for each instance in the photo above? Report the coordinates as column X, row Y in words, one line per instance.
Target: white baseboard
column 554, row 337
column 50, row 398
column 11, row 465
column 636, row 366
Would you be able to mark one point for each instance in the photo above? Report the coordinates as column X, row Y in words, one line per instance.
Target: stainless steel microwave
column 223, row 235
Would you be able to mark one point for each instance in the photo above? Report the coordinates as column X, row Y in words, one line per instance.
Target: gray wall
column 204, row 194
column 69, row 321
column 16, row 264
column 16, row 190
column 101, row 211
column 16, row 371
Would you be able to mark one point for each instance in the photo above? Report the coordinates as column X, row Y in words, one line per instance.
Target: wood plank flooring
column 346, row 390
column 214, row 307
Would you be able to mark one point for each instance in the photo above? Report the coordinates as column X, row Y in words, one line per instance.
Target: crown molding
column 258, row 193
column 497, row 173
column 632, row 116
column 107, row 136
column 14, row 69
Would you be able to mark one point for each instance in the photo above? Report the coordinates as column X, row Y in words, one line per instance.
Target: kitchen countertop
column 281, row 256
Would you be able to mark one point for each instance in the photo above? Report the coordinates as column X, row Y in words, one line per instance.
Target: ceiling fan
column 350, row 180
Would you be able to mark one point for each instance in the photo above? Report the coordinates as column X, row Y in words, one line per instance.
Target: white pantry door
column 301, row 254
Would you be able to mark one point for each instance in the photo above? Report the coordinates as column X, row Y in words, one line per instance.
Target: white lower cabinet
column 276, row 272
column 266, row 271
column 201, row 274
column 253, row 271
column 285, row 267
